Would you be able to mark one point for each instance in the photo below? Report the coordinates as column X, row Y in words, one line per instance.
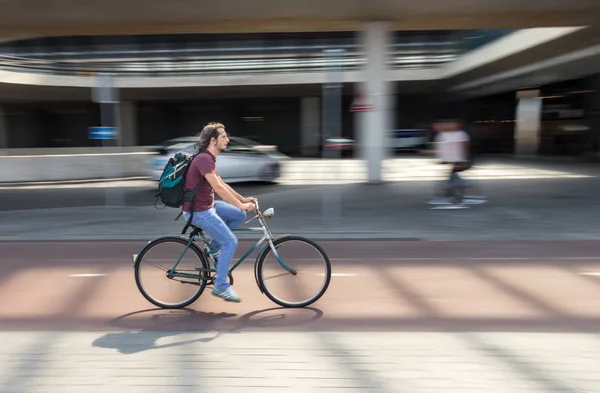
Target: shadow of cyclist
column 278, row 318
column 144, row 329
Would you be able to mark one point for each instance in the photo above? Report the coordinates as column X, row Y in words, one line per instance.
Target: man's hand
column 248, row 207
column 248, row 199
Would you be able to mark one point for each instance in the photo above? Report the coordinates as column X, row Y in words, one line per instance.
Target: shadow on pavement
column 279, row 317
column 142, row 330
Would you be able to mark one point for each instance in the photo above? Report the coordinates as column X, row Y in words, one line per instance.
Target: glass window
column 236, row 145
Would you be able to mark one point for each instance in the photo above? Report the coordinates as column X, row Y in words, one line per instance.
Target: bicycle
column 201, row 273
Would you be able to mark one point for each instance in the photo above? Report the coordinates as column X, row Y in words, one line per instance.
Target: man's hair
column 211, row 130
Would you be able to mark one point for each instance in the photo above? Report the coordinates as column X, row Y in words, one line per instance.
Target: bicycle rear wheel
column 308, row 280
column 158, row 280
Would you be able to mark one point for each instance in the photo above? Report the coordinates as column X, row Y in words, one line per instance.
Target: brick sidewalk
column 298, row 362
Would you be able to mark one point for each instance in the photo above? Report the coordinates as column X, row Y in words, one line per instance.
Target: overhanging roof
column 518, row 58
column 30, row 18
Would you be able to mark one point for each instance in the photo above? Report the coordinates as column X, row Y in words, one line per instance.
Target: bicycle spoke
column 156, row 265
column 278, row 275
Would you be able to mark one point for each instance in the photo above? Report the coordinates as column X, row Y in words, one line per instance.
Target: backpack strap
column 189, row 197
column 189, row 221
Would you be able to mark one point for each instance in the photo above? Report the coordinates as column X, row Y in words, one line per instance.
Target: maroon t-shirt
column 204, row 163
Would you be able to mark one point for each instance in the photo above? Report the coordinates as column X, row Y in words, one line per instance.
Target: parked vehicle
column 408, row 139
column 399, row 140
column 244, row 160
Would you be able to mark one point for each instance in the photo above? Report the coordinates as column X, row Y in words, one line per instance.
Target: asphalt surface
column 135, row 193
column 523, row 203
column 508, row 179
column 377, row 286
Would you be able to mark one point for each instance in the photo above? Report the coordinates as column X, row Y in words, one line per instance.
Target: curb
column 75, row 181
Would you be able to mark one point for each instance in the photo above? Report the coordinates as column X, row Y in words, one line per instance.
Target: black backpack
column 171, row 186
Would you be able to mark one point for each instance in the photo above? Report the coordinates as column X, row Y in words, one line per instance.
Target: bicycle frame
column 266, row 237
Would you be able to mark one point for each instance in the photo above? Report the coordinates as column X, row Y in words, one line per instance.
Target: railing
column 140, row 52
column 216, row 65
column 172, row 55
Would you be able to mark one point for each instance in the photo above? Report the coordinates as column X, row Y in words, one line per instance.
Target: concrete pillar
column 374, row 125
column 3, row 129
column 310, row 125
column 527, row 125
column 128, row 123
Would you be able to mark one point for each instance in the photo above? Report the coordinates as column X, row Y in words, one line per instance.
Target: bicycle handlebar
column 256, row 208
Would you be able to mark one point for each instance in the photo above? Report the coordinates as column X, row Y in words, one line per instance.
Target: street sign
column 103, row 133
column 361, row 104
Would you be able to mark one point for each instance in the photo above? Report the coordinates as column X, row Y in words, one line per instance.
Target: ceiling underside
column 34, row 18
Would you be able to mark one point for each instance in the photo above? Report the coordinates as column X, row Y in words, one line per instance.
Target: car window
column 246, row 141
column 234, row 146
column 184, row 147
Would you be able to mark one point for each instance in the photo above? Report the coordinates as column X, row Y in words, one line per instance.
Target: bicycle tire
column 168, row 239
column 275, row 299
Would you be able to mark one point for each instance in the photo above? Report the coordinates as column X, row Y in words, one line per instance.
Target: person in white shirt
column 453, row 148
column 452, row 143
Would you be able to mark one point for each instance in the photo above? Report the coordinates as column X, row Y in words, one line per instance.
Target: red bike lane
column 376, row 286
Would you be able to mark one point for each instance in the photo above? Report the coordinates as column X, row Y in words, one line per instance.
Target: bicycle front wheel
column 166, row 283
column 309, row 276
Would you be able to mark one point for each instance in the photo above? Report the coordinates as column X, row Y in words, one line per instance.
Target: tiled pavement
column 91, row 362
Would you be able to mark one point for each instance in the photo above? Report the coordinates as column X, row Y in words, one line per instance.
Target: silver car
column 244, row 160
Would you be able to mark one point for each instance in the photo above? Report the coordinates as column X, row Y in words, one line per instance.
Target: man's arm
column 232, row 191
column 224, row 192
column 238, row 196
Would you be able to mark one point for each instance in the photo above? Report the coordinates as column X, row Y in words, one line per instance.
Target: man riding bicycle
column 216, row 218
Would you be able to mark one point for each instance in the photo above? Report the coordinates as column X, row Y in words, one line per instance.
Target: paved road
column 135, row 193
column 399, row 317
column 534, row 209
column 378, row 286
column 526, row 200
column 502, row 179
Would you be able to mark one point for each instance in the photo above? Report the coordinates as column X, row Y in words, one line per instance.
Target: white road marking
column 87, row 275
column 339, row 274
column 590, row 274
column 134, row 257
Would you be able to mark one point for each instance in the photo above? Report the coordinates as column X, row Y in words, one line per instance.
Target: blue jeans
column 216, row 222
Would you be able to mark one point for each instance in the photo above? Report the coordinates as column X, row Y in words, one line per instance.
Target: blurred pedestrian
column 452, row 147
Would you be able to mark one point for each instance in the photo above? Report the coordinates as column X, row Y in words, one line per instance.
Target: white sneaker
column 227, row 294
column 451, row 206
column 474, row 199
